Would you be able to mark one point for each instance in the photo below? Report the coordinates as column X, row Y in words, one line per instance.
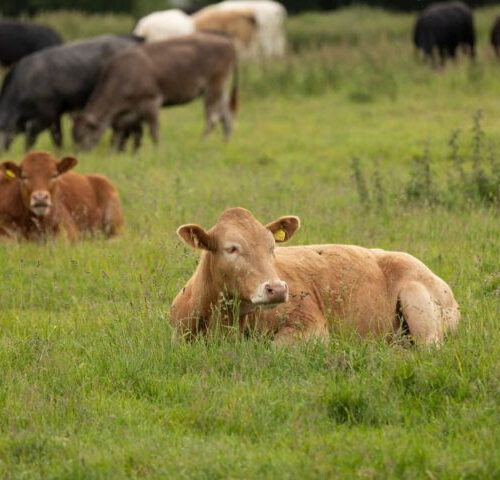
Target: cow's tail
column 233, row 102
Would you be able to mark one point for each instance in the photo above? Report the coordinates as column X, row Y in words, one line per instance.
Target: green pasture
column 92, row 384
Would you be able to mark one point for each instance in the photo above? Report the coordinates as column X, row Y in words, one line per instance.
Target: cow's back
column 161, row 25
column 79, row 197
column 445, row 19
column 205, row 50
column 62, row 77
column 183, row 65
column 177, row 69
column 18, row 39
column 358, row 285
column 92, row 202
column 270, row 38
column 240, row 25
column 340, row 281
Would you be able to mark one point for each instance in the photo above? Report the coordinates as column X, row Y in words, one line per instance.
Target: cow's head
column 38, row 175
column 87, row 131
column 240, row 255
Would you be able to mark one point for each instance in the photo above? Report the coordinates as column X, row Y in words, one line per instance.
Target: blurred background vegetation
column 141, row 7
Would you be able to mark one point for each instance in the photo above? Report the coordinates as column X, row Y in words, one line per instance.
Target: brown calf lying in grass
column 371, row 290
column 39, row 199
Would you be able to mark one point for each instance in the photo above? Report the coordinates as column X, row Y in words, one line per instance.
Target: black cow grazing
column 443, row 27
column 41, row 87
column 495, row 36
column 18, row 39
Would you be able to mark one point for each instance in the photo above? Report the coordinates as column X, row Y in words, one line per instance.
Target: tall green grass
column 92, row 385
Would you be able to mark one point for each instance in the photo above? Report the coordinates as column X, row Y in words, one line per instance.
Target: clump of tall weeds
column 370, row 193
column 472, row 175
column 476, row 181
column 421, row 187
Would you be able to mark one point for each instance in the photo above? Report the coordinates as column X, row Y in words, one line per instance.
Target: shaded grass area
column 92, row 384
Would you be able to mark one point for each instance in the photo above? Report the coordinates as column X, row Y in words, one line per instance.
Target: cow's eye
column 232, row 249
column 24, row 178
column 54, row 176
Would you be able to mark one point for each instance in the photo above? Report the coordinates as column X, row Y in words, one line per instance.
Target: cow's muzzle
column 40, row 203
column 271, row 293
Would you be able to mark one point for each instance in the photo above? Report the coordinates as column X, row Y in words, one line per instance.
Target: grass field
column 92, row 384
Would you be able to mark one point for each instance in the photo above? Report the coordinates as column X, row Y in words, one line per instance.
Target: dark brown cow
column 294, row 292
column 137, row 82
column 40, row 198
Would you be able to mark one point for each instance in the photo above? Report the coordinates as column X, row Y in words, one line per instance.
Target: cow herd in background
column 49, row 79
column 169, row 59
column 258, row 30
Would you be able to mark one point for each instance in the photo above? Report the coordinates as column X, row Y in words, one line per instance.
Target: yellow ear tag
column 10, row 174
column 280, row 235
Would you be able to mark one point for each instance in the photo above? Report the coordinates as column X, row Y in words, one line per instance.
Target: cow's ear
column 194, row 236
column 284, row 228
column 66, row 163
column 11, row 170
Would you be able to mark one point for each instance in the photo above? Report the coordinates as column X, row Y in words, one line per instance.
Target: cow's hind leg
column 421, row 313
column 154, row 128
column 214, row 100
column 227, row 121
column 211, row 118
column 149, row 111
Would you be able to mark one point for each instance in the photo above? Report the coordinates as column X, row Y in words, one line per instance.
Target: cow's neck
column 204, row 287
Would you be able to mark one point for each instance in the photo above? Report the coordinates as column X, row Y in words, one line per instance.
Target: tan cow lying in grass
column 39, row 198
column 301, row 288
column 239, row 25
